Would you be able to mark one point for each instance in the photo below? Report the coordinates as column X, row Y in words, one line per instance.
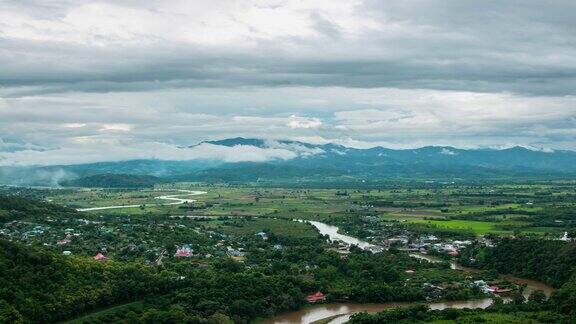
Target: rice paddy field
column 481, row 209
column 476, row 227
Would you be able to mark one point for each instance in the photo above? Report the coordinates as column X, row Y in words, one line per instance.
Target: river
column 531, row 285
column 332, row 232
column 175, row 200
column 341, row 312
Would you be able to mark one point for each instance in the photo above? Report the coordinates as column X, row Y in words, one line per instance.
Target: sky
column 87, row 81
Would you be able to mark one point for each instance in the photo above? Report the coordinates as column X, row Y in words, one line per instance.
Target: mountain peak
column 237, row 141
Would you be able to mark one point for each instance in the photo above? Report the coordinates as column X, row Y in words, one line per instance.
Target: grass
column 477, row 227
column 279, row 227
column 320, row 204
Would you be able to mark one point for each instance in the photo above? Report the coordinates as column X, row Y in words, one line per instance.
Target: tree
column 220, row 318
column 518, row 298
column 9, row 314
column 537, row 296
column 242, row 308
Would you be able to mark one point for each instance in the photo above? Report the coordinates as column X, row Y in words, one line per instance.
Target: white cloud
column 301, row 150
column 300, row 122
column 116, row 128
column 200, row 21
column 446, row 151
column 396, row 118
column 355, row 72
column 73, row 125
column 90, row 150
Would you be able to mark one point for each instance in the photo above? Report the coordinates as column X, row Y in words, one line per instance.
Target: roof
column 496, row 289
column 183, row 253
column 318, row 296
column 100, row 257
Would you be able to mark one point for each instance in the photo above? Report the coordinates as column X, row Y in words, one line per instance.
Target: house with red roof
column 316, row 297
column 498, row 290
column 100, row 257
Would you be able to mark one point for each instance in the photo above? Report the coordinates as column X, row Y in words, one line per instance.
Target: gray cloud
column 76, row 74
column 413, row 44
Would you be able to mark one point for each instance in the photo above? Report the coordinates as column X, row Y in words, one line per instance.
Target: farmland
column 230, row 236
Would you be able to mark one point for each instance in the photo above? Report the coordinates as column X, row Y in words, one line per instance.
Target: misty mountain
column 321, row 163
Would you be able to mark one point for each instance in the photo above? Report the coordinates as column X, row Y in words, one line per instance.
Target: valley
column 356, row 246
column 287, row 162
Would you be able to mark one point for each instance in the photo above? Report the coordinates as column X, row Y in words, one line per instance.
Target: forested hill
column 256, row 160
column 550, row 261
column 111, row 180
column 15, row 208
column 40, row 287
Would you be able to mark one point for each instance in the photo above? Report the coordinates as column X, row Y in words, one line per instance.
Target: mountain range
column 292, row 161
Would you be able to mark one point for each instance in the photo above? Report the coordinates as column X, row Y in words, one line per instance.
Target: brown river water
column 341, row 312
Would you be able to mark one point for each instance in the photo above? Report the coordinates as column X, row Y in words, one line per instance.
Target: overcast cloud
column 141, row 79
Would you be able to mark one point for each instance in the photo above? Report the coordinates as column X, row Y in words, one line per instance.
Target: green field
column 279, row 227
column 476, row 227
column 500, row 209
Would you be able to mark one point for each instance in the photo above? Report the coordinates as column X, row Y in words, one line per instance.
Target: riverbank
column 341, row 312
column 335, row 313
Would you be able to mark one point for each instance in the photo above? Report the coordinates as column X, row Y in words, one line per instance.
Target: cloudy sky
column 84, row 81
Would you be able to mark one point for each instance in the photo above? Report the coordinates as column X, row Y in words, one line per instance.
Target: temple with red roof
column 183, row 252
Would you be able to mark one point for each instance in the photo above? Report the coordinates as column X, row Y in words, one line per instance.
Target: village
column 82, row 236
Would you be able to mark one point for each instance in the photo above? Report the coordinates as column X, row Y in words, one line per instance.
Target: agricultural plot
column 499, row 209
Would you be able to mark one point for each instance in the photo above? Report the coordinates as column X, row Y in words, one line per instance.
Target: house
column 100, row 257
column 67, row 253
column 565, row 237
column 482, row 285
column 461, row 244
column 316, row 297
column 263, row 235
column 374, row 248
column 235, row 253
column 63, row 242
column 498, row 290
column 410, row 271
column 428, row 237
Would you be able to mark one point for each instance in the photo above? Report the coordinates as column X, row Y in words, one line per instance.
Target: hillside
column 110, row 180
column 293, row 162
column 39, row 286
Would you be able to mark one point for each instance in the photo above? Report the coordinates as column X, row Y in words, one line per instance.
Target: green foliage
column 39, row 286
column 551, row 261
column 564, row 299
column 513, row 314
column 15, row 208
